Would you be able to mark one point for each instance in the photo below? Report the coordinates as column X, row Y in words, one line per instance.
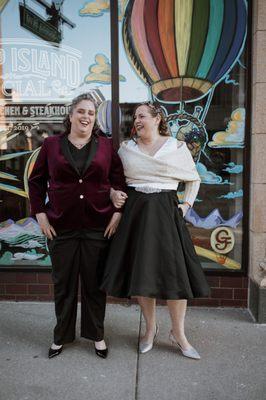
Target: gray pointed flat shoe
column 144, row 347
column 190, row 353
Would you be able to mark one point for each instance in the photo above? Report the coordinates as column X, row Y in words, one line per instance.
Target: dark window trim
column 115, row 71
column 247, row 148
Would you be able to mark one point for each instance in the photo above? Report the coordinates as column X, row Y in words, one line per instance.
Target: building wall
column 257, row 262
column 227, row 291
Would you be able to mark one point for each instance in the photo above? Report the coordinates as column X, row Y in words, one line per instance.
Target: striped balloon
column 182, row 48
column 104, row 117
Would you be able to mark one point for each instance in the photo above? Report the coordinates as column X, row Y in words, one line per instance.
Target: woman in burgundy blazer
column 82, row 174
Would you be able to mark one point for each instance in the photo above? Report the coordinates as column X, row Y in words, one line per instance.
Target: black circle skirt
column 152, row 253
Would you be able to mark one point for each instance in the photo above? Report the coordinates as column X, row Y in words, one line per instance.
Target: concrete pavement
column 232, row 366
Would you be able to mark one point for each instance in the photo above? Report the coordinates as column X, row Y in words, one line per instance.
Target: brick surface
column 245, row 282
column 221, row 293
column 39, row 289
column 44, row 297
column 231, row 282
column 44, row 277
column 241, row 294
column 233, row 303
column 22, row 297
column 5, row 297
column 204, row 302
column 26, row 277
column 226, row 291
column 16, row 288
column 7, row 277
column 214, row 281
column 2, row 289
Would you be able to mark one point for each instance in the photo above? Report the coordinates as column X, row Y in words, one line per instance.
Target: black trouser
column 74, row 254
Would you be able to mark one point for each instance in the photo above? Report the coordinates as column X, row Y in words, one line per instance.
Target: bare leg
column 148, row 309
column 177, row 310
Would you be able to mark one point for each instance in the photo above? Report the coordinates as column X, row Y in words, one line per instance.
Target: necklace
column 79, row 145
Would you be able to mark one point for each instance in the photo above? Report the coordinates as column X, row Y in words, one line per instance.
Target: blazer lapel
column 92, row 152
column 67, row 153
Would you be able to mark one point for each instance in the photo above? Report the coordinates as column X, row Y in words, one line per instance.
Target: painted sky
column 90, row 38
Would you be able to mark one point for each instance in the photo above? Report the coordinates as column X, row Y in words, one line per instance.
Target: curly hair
column 73, row 105
column 154, row 110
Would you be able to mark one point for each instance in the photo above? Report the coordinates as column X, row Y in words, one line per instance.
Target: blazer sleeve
column 116, row 175
column 38, row 182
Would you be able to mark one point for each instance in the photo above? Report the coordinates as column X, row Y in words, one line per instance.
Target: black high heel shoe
column 101, row 353
column 54, row 352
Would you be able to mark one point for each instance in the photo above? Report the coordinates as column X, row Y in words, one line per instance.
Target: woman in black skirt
column 152, row 255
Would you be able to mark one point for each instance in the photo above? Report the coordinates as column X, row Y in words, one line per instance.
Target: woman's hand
column 184, row 208
column 45, row 226
column 113, row 224
column 118, row 197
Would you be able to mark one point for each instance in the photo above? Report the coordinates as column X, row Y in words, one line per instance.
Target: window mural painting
column 45, row 61
column 190, row 56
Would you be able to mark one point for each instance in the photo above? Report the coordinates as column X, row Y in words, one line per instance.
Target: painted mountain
column 213, row 220
column 22, row 242
column 24, row 233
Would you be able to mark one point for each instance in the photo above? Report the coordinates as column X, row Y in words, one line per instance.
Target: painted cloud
column 210, row 178
column 233, row 168
column 232, row 195
column 234, row 134
column 95, row 8
column 100, row 72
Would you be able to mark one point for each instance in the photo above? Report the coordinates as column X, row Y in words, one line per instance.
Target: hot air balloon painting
column 183, row 48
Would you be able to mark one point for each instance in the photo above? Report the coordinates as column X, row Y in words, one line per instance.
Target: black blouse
column 79, row 155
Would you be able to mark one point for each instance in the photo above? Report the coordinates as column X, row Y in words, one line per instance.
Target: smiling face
column 83, row 118
column 144, row 122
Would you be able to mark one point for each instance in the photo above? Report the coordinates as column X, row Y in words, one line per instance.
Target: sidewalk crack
column 137, row 367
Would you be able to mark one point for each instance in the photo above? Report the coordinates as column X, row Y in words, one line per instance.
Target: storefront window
column 49, row 53
column 191, row 57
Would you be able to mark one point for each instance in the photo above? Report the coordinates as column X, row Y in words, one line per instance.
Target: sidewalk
column 232, row 367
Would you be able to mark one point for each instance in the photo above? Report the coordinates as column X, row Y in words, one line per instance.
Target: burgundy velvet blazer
column 75, row 201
